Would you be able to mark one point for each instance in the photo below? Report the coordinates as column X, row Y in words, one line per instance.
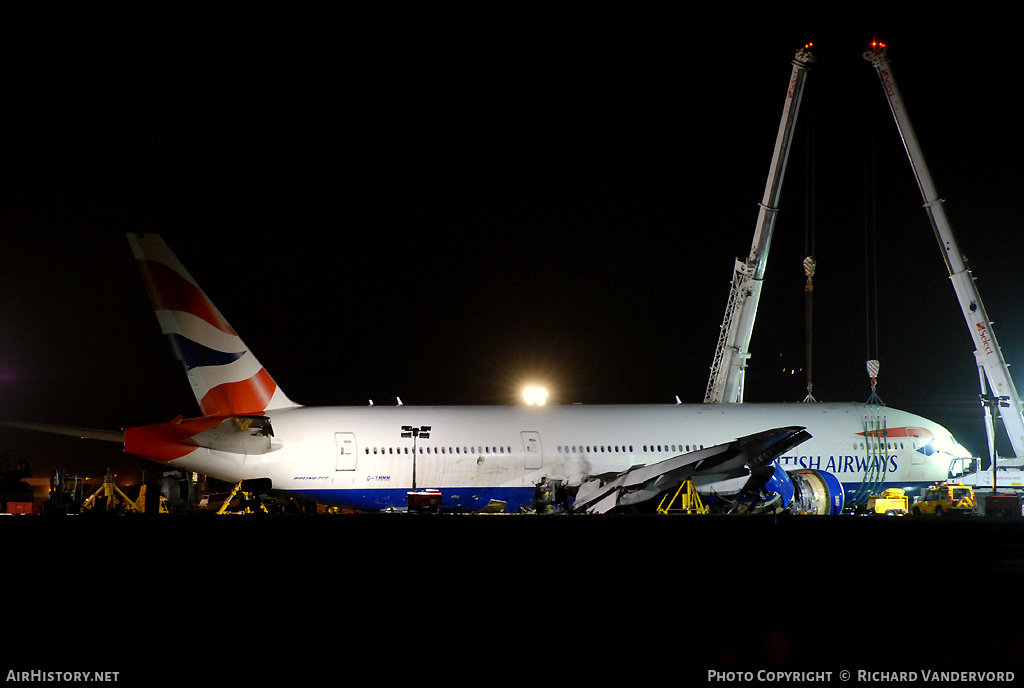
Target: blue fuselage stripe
column 468, row 499
column 452, row 498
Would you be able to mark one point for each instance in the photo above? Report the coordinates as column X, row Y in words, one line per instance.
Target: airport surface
column 669, row 596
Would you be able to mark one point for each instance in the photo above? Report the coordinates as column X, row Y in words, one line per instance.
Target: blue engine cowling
column 807, row 491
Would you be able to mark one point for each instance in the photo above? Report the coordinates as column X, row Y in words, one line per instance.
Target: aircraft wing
column 235, row 434
column 84, row 433
column 736, row 459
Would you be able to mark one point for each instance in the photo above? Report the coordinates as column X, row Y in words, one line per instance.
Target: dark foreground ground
column 508, row 600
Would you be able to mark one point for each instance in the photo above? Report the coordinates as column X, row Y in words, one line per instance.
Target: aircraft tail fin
column 224, row 374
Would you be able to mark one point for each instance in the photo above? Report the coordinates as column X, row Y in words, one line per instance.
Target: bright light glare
column 948, row 445
column 535, row 395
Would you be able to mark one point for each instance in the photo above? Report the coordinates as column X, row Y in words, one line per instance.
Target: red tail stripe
column 246, row 396
column 169, row 290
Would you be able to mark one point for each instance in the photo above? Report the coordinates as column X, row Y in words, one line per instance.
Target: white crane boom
column 732, row 352
column 987, row 352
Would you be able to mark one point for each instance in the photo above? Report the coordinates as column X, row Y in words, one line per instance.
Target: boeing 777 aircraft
column 813, row 457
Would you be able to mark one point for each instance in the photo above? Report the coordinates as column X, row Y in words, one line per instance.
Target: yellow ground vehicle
column 892, row 502
column 947, row 499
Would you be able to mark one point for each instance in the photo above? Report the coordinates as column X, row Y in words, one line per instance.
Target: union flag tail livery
column 225, row 376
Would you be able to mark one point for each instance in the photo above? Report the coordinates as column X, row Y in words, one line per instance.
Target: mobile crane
column 731, row 354
column 997, row 388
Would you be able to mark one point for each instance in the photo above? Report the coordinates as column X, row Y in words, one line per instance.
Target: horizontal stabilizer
column 243, row 435
column 84, row 433
column 600, row 494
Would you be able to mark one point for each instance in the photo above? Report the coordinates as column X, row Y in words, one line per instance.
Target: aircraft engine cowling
column 814, row 492
column 771, row 490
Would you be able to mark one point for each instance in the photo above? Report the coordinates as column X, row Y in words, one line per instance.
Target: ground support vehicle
column 946, row 499
column 892, row 502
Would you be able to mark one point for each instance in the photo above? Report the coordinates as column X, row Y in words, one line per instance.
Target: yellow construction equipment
column 892, row 502
column 141, row 502
column 111, row 491
column 245, row 503
column 689, row 501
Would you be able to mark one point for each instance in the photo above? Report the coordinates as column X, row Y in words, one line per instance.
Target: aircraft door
column 532, row 449
column 345, row 451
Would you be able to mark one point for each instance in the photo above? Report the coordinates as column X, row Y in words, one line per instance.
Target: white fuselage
column 356, row 456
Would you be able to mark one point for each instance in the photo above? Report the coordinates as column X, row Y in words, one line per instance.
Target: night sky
column 443, row 205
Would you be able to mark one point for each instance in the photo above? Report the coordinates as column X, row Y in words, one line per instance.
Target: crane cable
column 871, row 254
column 876, row 429
column 809, row 243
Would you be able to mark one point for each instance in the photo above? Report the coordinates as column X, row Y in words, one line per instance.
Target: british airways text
column 837, row 464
